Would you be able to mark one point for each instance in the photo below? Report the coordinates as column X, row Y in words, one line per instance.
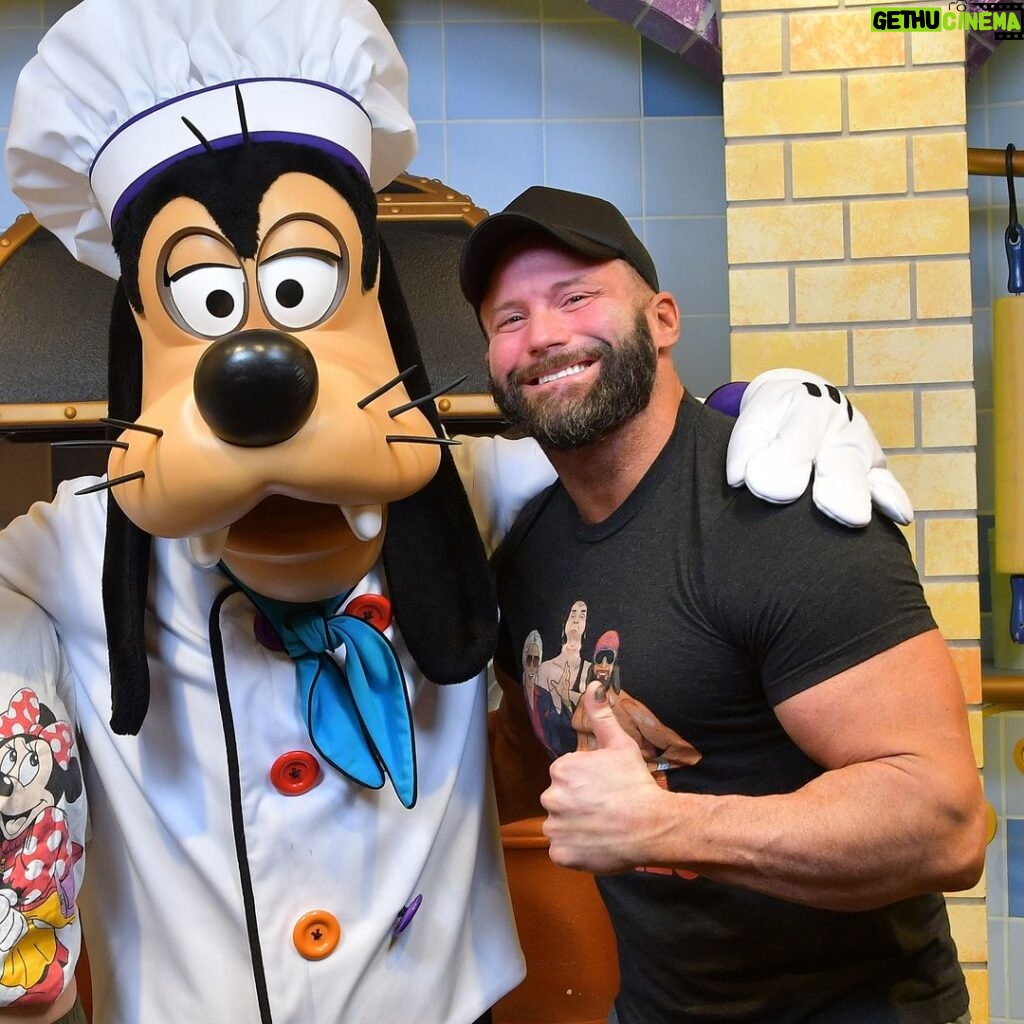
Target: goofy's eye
column 300, row 288
column 209, row 299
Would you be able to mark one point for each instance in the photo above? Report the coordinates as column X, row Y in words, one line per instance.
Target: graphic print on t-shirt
column 553, row 689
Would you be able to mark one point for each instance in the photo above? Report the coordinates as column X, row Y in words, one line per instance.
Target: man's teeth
column 207, row 548
column 569, row 371
column 363, row 520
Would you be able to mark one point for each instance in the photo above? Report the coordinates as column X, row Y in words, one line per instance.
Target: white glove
column 791, row 422
column 12, row 922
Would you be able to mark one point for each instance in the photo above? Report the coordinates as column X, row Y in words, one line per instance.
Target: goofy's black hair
column 438, row 577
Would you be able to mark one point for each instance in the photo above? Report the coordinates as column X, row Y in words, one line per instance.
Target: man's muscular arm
column 899, row 810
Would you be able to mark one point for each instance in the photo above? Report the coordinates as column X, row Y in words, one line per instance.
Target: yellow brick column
column 848, row 244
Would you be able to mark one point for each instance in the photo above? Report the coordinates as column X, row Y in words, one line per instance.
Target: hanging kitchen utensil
column 1008, row 414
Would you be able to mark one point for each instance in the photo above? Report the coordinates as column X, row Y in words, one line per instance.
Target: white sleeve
column 500, row 476
column 42, row 849
column 45, row 550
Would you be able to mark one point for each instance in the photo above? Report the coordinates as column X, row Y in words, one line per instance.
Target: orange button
column 372, row 608
column 316, row 934
column 295, row 773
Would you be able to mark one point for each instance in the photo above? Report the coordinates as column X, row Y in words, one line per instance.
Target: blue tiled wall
column 995, row 98
column 511, row 93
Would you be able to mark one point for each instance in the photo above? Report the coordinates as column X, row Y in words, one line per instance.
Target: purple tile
column 622, row 10
column 987, row 38
column 706, row 58
column 979, row 48
column 664, row 30
column 709, row 32
column 975, row 57
column 686, row 12
column 702, row 52
column 660, row 21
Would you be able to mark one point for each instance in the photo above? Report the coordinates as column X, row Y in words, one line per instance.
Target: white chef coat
column 164, row 902
column 500, row 476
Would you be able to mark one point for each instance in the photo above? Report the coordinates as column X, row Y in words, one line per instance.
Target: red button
column 372, row 608
column 316, row 934
column 295, row 773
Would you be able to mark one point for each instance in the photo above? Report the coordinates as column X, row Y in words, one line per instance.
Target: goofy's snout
column 257, row 388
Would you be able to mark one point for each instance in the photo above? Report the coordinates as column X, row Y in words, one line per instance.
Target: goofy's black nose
column 257, row 388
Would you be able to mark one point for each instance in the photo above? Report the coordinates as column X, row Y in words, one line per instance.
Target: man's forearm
column 860, row 835
column 855, row 838
column 898, row 809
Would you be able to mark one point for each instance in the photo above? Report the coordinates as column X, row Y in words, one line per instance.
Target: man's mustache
column 593, row 352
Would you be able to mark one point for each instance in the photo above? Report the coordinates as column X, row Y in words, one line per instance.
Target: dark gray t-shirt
column 706, row 607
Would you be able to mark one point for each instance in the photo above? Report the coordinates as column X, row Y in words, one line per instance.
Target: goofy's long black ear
column 127, row 549
column 440, row 582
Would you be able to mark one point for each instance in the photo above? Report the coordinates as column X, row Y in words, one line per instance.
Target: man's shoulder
column 713, row 426
column 700, row 441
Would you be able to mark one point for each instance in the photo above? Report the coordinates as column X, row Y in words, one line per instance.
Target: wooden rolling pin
column 1008, row 431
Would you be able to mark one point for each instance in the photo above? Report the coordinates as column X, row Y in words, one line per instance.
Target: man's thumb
column 603, row 723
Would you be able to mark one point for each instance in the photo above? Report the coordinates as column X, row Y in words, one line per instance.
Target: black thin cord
column 237, row 816
column 1013, row 231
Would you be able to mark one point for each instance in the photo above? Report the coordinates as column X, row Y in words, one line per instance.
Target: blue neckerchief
column 358, row 715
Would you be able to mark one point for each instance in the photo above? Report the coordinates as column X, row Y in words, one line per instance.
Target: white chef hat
column 102, row 107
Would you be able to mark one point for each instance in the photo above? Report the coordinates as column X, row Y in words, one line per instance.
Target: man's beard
column 623, row 389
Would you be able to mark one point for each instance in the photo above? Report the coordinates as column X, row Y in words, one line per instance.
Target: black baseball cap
column 584, row 224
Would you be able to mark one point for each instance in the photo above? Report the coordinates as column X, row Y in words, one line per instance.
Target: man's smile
column 569, row 371
column 552, row 372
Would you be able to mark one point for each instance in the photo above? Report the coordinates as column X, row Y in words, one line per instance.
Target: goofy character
column 291, row 821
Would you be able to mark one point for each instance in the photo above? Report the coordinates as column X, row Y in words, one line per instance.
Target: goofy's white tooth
column 207, row 548
column 363, row 520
